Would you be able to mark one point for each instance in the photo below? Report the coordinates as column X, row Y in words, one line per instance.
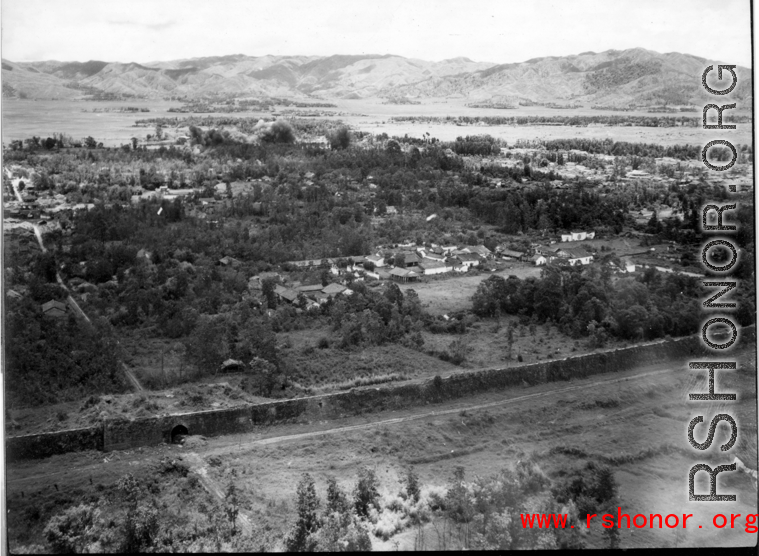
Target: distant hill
column 611, row 78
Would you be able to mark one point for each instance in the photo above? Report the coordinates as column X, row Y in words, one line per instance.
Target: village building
column 469, row 259
column 405, row 260
column 335, row 289
column 377, row 260
column 318, row 297
column 54, row 309
column 538, row 260
column 232, row 365
column 285, row 294
column 480, row 250
column 637, row 174
column 430, row 267
column 312, row 263
column 431, row 254
column 511, row 255
column 229, row 261
column 577, row 235
column 403, row 275
column 577, row 256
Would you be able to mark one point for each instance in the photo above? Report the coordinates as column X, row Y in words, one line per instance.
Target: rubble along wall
column 122, row 434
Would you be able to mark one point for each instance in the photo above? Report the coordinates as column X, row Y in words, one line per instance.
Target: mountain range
column 611, row 78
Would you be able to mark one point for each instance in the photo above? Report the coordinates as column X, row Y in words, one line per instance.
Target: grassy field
column 446, row 294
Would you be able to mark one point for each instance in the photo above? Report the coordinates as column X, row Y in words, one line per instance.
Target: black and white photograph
column 359, row 275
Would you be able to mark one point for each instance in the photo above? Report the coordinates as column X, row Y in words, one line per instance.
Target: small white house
column 469, row 259
column 577, row 235
column 538, row 260
column 578, row 256
column 377, row 260
column 430, row 267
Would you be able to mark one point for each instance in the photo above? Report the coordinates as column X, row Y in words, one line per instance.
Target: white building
column 578, row 256
column 577, row 235
column 430, row 267
column 377, row 260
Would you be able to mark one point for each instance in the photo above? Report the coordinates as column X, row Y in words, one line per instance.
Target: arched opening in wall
column 178, row 434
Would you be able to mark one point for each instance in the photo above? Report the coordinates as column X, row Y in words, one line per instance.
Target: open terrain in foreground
column 634, row 421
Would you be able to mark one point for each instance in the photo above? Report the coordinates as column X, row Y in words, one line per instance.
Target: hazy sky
column 484, row 30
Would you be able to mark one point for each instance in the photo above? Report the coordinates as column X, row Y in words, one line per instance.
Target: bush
column 279, row 132
column 339, row 138
column 366, row 495
column 411, row 482
column 72, row 531
column 589, row 488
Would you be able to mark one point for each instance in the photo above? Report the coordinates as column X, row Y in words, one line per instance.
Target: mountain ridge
column 634, row 76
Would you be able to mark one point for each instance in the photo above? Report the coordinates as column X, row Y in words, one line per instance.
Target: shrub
column 434, row 497
column 337, row 501
column 71, row 531
column 388, row 524
column 459, row 350
column 411, row 482
column 365, row 495
column 531, row 477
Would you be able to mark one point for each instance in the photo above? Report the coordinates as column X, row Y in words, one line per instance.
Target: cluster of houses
column 409, row 262
column 540, row 255
column 307, row 297
column 412, row 262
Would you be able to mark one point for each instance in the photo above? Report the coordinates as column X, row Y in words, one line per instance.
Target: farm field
column 22, row 119
column 608, row 418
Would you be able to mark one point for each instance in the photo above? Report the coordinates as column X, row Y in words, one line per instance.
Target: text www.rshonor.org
column 641, row 521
